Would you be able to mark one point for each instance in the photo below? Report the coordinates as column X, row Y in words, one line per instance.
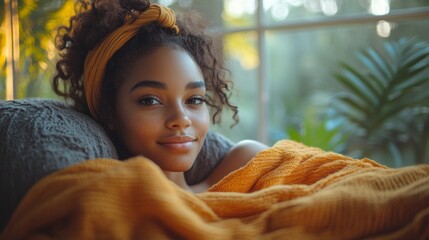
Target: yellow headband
column 96, row 60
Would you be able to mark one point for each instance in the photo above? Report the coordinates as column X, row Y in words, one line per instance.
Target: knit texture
column 289, row 191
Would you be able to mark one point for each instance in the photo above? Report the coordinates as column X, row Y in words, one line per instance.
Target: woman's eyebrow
column 150, row 84
column 193, row 85
column 160, row 85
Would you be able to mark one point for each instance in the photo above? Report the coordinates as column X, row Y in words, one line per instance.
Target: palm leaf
column 392, row 51
column 395, row 78
column 413, row 83
column 353, row 103
column 375, row 74
column 395, row 95
column 374, row 56
column 367, row 85
column 350, row 115
column 415, row 58
column 352, row 82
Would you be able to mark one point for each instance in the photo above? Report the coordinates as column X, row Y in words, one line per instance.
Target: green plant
column 387, row 104
column 318, row 130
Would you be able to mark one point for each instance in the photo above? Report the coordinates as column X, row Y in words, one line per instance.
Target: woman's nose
column 178, row 117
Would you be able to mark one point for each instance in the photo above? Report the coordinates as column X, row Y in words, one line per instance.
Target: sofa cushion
column 40, row 136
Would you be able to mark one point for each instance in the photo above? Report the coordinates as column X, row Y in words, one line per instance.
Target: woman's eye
column 197, row 100
column 149, row 100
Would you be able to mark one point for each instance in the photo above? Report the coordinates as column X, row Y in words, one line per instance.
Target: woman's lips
column 180, row 144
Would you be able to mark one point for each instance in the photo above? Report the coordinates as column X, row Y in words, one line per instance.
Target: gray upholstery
column 40, row 136
column 214, row 149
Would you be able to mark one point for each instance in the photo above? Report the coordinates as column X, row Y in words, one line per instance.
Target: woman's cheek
column 204, row 121
column 139, row 130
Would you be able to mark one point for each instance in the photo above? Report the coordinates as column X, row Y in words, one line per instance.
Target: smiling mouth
column 177, row 139
column 179, row 144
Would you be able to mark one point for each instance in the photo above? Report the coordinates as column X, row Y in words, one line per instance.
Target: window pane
column 301, row 65
column 241, row 57
column 239, row 13
column 210, row 10
column 276, row 11
column 219, row 13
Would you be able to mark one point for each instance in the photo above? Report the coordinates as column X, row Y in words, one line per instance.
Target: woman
column 149, row 80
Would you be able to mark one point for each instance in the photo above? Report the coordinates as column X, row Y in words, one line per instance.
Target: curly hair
column 95, row 20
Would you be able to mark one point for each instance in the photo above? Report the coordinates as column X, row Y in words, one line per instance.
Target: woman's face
column 161, row 109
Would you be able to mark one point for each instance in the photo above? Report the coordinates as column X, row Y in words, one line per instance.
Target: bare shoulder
column 239, row 155
column 244, row 150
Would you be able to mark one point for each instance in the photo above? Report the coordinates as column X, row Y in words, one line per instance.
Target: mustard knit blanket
column 289, row 191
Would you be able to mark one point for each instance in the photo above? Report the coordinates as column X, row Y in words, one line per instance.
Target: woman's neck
column 179, row 179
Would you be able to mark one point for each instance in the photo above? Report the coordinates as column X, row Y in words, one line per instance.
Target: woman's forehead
column 166, row 64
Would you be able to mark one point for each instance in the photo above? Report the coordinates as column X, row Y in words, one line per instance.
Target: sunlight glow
column 237, row 8
column 312, row 5
column 234, row 8
column 250, row 7
column 280, row 11
column 295, row 3
column 329, row 7
column 384, row 28
column 12, row 46
column 43, row 65
column 268, row 4
column 379, row 7
column 241, row 48
column 166, row 2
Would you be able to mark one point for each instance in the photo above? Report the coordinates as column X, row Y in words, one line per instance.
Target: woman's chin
column 176, row 166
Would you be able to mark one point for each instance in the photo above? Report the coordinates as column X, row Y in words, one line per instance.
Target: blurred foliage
column 382, row 112
column 242, row 46
column 387, row 104
column 38, row 20
column 319, row 130
column 2, row 55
